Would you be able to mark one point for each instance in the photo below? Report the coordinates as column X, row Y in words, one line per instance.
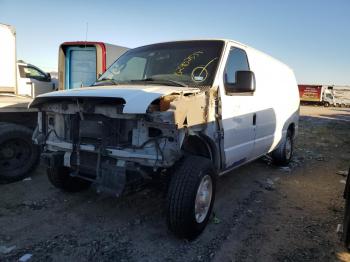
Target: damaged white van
column 187, row 110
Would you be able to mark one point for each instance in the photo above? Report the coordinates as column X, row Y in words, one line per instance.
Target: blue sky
column 312, row 37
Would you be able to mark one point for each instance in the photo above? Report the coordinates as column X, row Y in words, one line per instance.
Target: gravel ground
column 262, row 212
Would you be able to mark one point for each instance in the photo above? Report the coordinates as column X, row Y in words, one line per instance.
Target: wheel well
column 200, row 146
column 27, row 119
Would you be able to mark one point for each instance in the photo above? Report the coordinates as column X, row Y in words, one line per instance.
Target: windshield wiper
column 103, row 81
column 160, row 81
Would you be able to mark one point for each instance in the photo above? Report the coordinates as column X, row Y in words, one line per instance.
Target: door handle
column 254, row 119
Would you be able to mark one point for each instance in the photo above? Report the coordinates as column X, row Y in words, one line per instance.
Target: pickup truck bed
column 12, row 103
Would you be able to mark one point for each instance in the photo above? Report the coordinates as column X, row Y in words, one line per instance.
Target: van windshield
column 187, row 63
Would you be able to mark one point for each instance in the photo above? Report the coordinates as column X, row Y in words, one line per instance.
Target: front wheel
column 60, row 177
column 191, row 196
column 346, row 221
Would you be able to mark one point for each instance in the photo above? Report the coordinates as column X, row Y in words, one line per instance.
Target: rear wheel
column 284, row 152
column 346, row 221
column 18, row 155
column 346, row 224
column 60, row 177
column 191, row 196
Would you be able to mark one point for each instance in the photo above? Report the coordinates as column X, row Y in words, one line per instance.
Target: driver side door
column 238, row 115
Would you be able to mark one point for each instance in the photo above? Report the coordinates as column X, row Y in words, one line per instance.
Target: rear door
column 238, row 116
column 80, row 66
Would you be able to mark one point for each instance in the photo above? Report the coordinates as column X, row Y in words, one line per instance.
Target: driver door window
column 33, row 73
column 237, row 61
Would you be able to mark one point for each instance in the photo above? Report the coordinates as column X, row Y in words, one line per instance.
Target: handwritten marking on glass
column 200, row 73
column 186, row 62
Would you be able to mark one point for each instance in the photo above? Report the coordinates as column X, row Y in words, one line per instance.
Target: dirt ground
column 262, row 212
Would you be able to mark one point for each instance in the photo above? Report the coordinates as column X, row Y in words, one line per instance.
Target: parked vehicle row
column 20, row 82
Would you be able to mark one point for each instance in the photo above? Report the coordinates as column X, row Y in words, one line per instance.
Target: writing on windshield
column 192, row 63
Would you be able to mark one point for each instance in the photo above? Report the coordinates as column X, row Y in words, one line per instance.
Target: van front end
column 153, row 115
column 92, row 140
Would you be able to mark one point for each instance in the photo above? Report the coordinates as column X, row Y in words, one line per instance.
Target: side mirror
column 245, row 82
column 48, row 77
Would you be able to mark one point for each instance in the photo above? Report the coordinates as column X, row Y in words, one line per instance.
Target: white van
column 186, row 110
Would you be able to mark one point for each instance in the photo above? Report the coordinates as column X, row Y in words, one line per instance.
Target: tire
column 326, row 104
column 283, row 154
column 60, row 177
column 183, row 194
column 18, row 154
column 346, row 224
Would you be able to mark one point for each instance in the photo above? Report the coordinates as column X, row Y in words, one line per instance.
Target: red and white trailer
column 317, row 94
column 80, row 63
column 311, row 93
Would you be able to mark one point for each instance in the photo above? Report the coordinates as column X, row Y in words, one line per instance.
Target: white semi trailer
column 8, row 58
column 21, row 82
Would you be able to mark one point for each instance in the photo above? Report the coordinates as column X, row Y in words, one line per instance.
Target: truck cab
column 186, row 110
column 328, row 99
column 32, row 81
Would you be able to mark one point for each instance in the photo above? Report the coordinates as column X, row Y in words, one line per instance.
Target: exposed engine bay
column 98, row 142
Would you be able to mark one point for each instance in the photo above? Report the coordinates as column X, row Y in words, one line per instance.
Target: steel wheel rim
column 203, row 198
column 288, row 148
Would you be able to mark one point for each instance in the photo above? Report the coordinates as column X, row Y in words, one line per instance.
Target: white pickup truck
column 32, row 81
column 18, row 77
column 19, row 83
column 186, row 110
